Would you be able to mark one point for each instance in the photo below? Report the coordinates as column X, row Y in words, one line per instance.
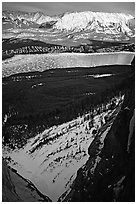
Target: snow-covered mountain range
column 86, row 22
column 25, row 17
column 110, row 22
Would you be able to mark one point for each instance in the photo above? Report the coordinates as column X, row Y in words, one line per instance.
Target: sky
column 53, row 8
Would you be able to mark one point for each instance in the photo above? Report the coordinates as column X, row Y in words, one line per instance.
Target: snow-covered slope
column 15, row 188
column 98, row 21
column 51, row 159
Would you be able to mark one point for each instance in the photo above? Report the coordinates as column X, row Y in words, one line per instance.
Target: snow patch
column 101, row 75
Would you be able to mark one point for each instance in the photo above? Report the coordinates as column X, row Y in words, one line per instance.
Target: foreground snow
column 51, row 159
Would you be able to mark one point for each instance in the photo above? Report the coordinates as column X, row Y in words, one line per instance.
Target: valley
column 68, row 101
column 53, row 139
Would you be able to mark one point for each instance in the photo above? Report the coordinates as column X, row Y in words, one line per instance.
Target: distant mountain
column 111, row 23
column 19, row 18
column 85, row 25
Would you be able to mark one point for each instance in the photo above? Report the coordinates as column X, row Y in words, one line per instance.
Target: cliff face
column 17, row 189
column 109, row 174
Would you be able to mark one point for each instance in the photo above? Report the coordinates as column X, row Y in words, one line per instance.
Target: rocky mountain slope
column 109, row 174
column 27, row 17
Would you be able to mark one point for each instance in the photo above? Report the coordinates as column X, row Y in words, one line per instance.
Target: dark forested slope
column 109, row 175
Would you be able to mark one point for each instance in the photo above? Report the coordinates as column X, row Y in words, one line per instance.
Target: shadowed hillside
column 109, row 174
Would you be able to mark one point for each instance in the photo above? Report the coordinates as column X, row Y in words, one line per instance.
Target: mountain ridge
column 72, row 26
column 80, row 19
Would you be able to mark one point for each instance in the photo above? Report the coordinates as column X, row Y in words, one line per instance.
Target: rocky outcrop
column 48, row 25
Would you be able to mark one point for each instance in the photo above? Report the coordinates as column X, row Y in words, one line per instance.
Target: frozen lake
column 41, row 62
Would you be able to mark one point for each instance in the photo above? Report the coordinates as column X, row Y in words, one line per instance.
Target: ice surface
column 41, row 62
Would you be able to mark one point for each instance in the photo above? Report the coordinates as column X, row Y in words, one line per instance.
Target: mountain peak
column 86, row 23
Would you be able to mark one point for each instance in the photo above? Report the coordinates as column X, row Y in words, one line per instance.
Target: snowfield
column 51, row 159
